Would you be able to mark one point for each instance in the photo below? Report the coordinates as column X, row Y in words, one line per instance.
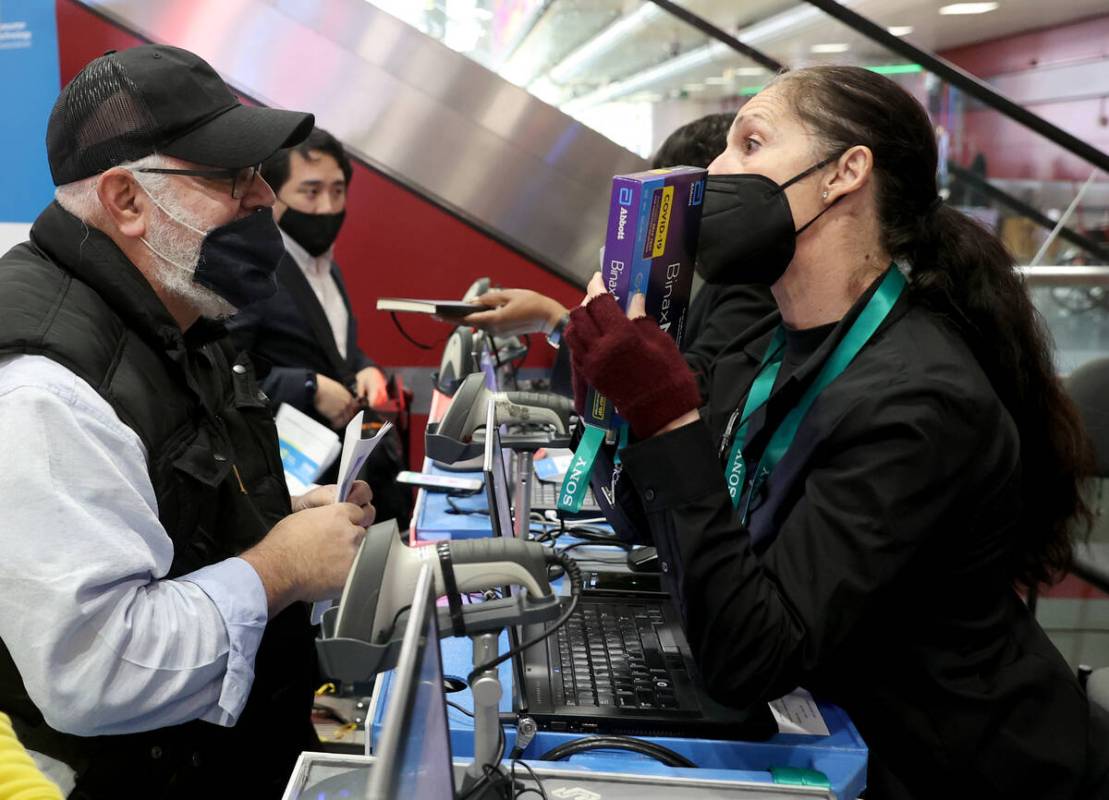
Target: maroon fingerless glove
column 633, row 363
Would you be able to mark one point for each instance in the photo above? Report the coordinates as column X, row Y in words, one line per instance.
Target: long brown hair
column 963, row 271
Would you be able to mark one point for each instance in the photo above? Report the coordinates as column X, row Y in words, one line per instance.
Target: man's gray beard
column 182, row 246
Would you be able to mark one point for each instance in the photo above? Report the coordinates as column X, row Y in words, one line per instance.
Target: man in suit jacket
column 307, row 331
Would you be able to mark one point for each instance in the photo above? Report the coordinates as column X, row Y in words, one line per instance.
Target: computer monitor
column 500, row 518
column 496, row 477
column 413, row 759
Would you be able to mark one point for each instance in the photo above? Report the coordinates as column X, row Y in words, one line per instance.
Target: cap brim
column 242, row 136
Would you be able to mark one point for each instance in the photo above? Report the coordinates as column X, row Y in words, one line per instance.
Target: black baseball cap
column 159, row 99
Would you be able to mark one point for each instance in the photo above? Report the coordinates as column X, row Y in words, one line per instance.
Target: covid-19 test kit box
column 654, row 220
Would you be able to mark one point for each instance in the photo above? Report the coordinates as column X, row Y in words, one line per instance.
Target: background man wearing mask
column 154, row 626
column 307, row 331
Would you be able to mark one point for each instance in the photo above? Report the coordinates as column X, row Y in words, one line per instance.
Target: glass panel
column 634, row 72
column 1078, row 318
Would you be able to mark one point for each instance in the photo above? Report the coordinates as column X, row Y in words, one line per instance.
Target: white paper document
column 797, row 712
column 355, row 452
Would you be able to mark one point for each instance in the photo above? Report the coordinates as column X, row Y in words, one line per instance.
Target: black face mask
column 314, row 232
column 747, row 233
column 238, row 260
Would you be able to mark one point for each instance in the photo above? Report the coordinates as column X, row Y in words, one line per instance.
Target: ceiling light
column 694, row 87
column 896, row 69
column 831, row 47
column 968, row 8
column 716, row 80
column 783, row 24
column 901, row 30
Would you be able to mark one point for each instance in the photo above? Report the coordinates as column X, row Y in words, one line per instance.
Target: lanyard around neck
column 735, row 470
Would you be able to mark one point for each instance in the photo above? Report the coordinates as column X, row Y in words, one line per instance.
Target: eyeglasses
column 242, row 178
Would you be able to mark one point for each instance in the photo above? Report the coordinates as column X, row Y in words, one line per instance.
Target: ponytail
column 963, row 271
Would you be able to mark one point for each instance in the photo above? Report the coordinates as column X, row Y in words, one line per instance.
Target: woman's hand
column 516, row 311
column 630, row 361
column 596, row 288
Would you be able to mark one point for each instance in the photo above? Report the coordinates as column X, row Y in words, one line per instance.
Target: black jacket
column 290, row 333
column 290, row 338
column 875, row 570
column 717, row 316
column 70, row 295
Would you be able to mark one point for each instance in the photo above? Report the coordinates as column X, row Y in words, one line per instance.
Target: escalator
column 513, row 114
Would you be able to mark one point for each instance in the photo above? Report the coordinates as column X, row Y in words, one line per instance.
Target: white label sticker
column 797, row 712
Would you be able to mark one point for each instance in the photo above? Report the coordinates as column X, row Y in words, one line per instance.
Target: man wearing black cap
column 154, row 630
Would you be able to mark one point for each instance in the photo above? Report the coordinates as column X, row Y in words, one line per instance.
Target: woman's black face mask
column 747, row 233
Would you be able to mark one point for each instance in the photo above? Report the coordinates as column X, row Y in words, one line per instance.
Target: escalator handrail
column 966, row 82
column 706, row 27
column 980, row 184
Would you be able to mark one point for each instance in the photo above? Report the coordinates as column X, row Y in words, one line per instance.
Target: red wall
column 419, row 250
column 1013, row 151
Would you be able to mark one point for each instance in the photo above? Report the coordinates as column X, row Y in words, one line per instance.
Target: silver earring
column 824, row 196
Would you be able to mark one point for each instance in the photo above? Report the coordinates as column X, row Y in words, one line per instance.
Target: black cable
column 539, row 790
column 641, row 746
column 491, row 345
column 492, row 774
column 572, row 569
column 404, row 333
column 457, row 707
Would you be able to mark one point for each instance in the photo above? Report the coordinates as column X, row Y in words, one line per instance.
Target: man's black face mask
column 314, row 232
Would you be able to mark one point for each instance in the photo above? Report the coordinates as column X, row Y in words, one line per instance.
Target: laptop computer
column 544, row 497
column 412, row 760
column 620, row 665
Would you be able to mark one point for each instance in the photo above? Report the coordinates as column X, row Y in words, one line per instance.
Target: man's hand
column 516, row 311
column 370, row 385
column 307, row 555
column 360, row 495
column 334, row 402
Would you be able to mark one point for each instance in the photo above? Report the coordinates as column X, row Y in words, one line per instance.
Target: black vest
column 70, row 295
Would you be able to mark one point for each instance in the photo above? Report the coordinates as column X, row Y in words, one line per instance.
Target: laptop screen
column 414, row 757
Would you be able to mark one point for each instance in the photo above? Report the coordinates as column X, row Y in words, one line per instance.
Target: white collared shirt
column 317, row 269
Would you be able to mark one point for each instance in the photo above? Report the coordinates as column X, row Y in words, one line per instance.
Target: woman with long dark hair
column 881, row 466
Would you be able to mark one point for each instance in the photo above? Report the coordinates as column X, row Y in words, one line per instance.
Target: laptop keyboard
column 545, row 495
column 615, row 655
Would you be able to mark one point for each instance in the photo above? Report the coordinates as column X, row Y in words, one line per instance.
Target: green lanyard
column 735, row 471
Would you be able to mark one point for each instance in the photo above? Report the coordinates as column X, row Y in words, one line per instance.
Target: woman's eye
column 750, row 145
